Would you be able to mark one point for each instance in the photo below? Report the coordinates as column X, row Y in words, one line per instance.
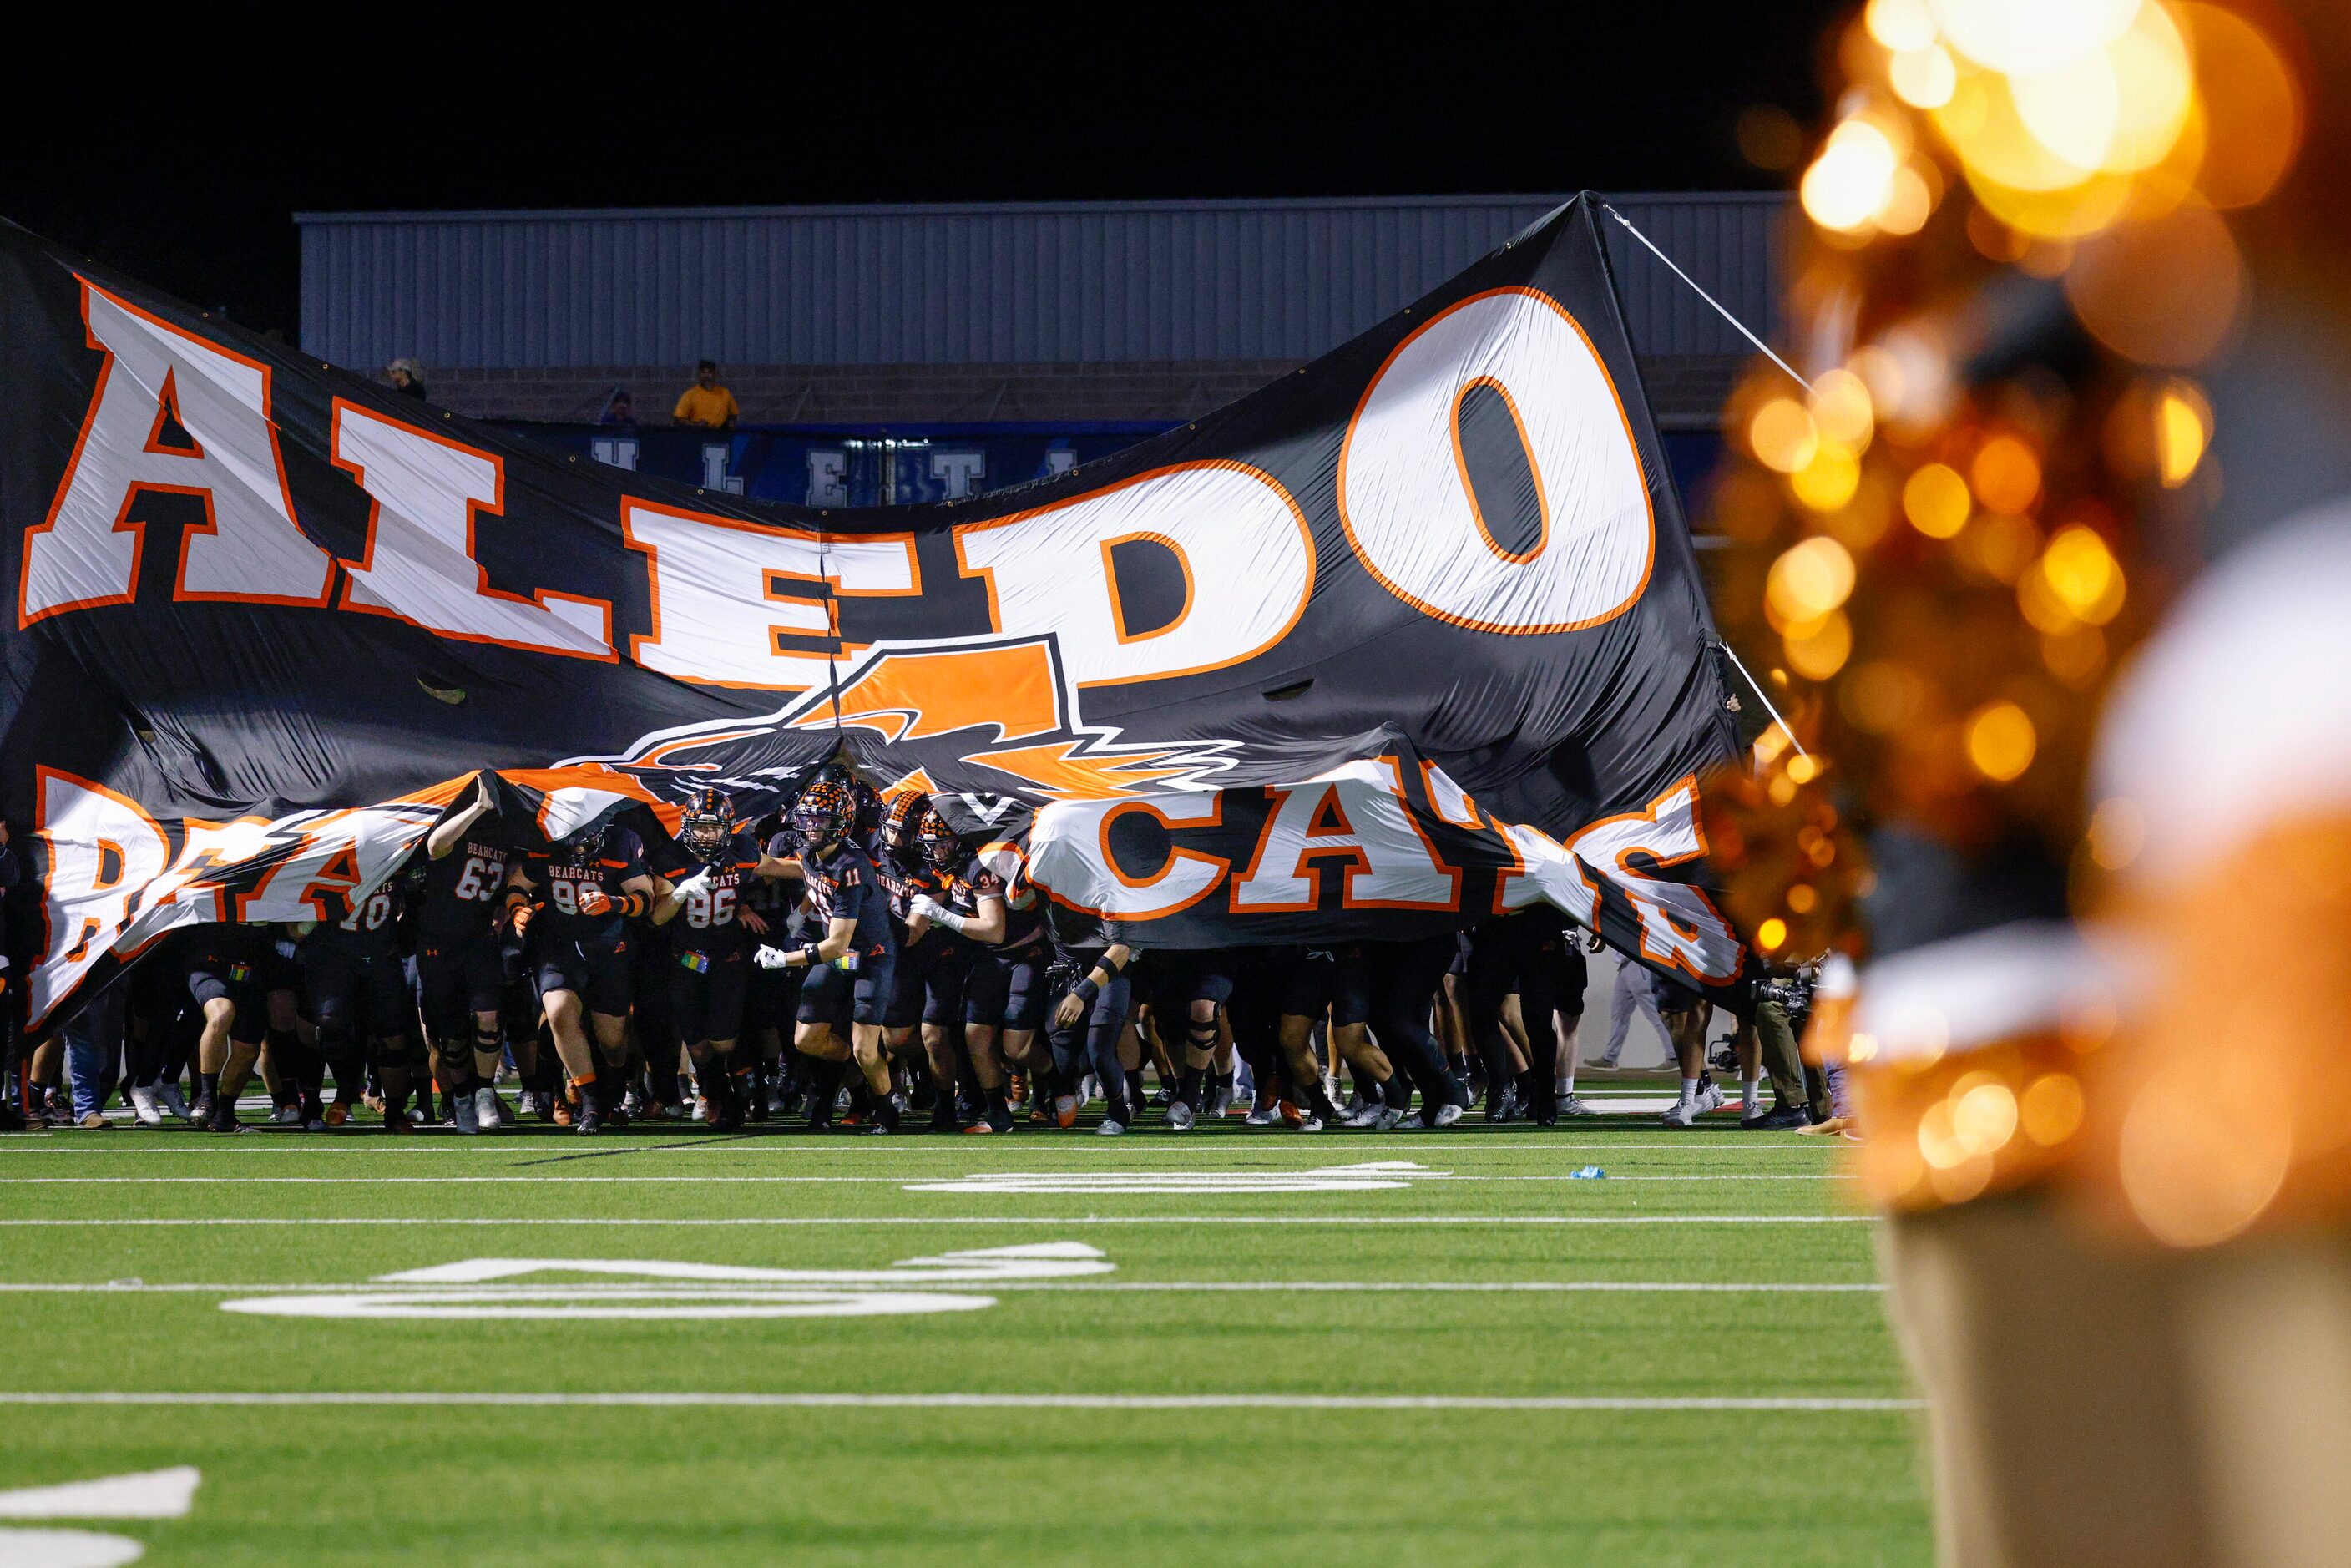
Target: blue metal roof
column 997, row 284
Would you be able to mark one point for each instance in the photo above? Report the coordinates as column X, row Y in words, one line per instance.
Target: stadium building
column 888, row 354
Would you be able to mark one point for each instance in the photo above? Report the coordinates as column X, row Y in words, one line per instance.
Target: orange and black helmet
column 707, row 822
column 902, row 823
column 941, row 846
column 824, row 813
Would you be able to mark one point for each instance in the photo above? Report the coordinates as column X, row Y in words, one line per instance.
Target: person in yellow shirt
column 705, row 402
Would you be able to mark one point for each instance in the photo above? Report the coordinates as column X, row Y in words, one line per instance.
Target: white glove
column 695, row 885
column 938, row 914
column 769, row 957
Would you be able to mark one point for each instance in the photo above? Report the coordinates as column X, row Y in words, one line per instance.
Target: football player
column 1088, row 1025
column 1334, row 984
column 458, row 967
column 918, row 860
column 853, row 967
column 1004, row 986
column 223, row 969
column 1405, row 979
column 772, row 1005
column 572, row 906
column 712, row 928
column 1189, row 991
column 1530, row 954
column 361, row 1002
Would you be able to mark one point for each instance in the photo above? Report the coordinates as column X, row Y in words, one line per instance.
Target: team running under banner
column 1409, row 637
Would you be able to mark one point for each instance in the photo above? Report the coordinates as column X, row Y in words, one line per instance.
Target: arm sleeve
column 632, row 857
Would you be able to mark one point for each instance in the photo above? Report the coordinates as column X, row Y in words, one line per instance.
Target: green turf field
column 1471, row 1359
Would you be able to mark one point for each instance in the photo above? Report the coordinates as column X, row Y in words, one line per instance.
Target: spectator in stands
column 705, row 402
column 620, row 410
column 407, row 376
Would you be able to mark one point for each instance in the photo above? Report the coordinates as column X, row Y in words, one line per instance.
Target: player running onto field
column 853, row 967
column 458, row 968
column 573, row 905
column 712, row 928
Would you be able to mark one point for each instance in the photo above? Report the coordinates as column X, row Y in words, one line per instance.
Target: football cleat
column 1179, row 1114
column 490, row 1111
column 468, row 1116
column 1573, row 1104
column 1449, row 1114
column 174, row 1101
column 1264, row 1114
column 1110, row 1128
column 143, row 1107
column 1687, row 1113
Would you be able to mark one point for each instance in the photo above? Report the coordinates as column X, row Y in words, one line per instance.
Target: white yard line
column 1415, row 1179
column 1201, row 1287
column 102, row 1221
column 1452, row 1146
column 1791, row 1403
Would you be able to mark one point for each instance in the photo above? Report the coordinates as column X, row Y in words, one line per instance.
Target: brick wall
column 1684, row 391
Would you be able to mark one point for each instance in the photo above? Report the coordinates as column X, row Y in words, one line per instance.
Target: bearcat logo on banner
column 1409, row 638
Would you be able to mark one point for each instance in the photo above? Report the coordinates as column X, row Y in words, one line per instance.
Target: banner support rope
column 1719, row 310
column 833, row 636
column 1764, row 697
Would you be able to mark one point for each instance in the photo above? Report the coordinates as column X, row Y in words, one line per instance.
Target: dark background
column 181, row 158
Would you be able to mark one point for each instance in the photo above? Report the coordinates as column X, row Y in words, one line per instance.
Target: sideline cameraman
column 1783, row 1000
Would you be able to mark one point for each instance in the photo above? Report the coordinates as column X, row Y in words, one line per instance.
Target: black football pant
column 1092, row 1044
column 1404, row 981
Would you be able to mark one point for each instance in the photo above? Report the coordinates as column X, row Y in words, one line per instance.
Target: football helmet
column 901, row 824
column 707, row 822
column 824, row 813
column 941, row 847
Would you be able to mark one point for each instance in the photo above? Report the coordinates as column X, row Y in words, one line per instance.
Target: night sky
column 184, row 167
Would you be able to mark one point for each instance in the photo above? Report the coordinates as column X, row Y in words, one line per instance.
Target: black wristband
column 1086, row 990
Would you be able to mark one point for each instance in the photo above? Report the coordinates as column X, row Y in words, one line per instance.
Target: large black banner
column 1409, row 636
